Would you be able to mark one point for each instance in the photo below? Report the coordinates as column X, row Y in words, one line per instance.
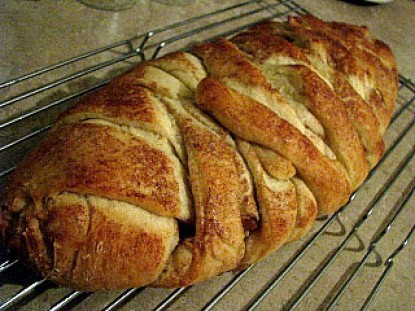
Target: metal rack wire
column 29, row 106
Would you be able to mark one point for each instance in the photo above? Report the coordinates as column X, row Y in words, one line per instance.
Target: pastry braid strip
column 251, row 121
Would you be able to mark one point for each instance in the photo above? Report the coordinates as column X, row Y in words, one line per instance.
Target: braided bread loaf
column 199, row 163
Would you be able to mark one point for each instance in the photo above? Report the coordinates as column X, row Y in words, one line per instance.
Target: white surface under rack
column 349, row 261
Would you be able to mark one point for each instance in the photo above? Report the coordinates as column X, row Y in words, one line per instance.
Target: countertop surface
column 35, row 34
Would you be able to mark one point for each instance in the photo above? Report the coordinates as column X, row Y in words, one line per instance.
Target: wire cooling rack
column 347, row 260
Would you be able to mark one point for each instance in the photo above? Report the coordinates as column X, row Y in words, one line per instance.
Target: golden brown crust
column 262, row 43
column 184, row 66
column 306, row 212
column 131, row 105
column 270, row 49
column 277, row 205
column 362, row 118
column 117, row 253
column 225, row 62
column 156, row 80
column 109, row 162
column 355, row 55
column 189, row 166
column 341, row 135
column 115, row 103
column 274, row 164
column 90, row 243
column 328, row 47
column 218, row 244
column 254, row 122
